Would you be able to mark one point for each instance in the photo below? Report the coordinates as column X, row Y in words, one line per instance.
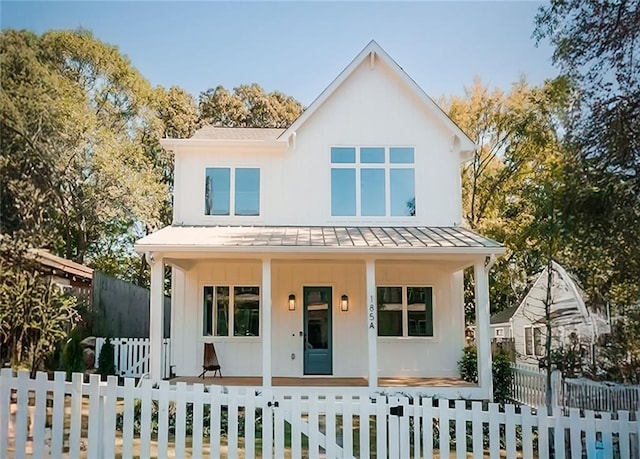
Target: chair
column 210, row 362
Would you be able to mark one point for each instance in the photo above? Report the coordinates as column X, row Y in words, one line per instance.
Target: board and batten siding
column 371, row 108
column 242, row 356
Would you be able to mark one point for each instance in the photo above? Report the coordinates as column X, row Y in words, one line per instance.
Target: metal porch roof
column 317, row 238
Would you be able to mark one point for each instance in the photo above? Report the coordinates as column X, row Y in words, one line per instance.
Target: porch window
column 534, row 337
column 405, row 311
column 219, row 198
column 227, row 308
column 373, row 181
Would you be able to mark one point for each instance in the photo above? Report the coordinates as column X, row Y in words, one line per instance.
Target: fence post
column 557, row 399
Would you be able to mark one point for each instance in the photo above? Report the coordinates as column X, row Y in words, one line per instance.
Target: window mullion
column 387, row 183
column 232, row 191
column 358, row 190
column 405, row 312
column 214, row 311
column 232, row 314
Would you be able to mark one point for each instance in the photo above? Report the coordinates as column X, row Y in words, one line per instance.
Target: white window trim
column 533, row 340
column 214, row 316
column 232, row 193
column 405, row 314
column 386, row 166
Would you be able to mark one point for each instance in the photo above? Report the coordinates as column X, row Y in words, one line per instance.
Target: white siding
column 241, row 356
column 371, row 108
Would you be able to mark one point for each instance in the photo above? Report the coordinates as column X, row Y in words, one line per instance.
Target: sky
column 300, row 47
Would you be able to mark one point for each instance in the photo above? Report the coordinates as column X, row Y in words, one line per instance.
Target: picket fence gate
column 56, row 418
column 131, row 356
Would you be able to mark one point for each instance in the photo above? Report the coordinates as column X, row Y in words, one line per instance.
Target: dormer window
column 219, row 198
column 372, row 181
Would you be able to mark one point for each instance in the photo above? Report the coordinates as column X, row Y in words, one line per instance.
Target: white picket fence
column 55, row 418
column 131, row 356
column 529, row 386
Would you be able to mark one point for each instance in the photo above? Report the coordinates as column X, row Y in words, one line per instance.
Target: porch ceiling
column 320, row 239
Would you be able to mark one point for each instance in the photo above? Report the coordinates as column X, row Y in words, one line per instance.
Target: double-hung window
column 232, row 191
column 405, row 311
column 534, row 337
column 231, row 311
column 373, row 181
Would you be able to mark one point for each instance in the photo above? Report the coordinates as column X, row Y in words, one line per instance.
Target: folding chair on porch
column 210, row 362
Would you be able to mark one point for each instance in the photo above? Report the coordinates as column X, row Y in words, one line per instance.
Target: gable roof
column 62, row 266
column 374, row 51
column 503, row 316
column 209, row 132
column 566, row 310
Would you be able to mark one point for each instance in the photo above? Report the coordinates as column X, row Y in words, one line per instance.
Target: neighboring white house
column 570, row 317
column 501, row 324
column 331, row 248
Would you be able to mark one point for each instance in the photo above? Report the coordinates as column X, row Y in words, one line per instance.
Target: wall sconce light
column 344, row 303
column 292, row 302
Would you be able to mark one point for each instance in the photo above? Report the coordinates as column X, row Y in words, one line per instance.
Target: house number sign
column 372, row 314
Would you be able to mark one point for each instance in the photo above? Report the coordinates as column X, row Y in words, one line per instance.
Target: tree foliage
column 510, row 175
column 75, row 172
column 248, row 106
column 597, row 46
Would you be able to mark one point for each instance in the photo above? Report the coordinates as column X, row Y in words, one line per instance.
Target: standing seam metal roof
column 318, row 236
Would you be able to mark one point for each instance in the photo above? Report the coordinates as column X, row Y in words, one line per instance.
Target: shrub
column 502, row 376
column 72, row 360
column 106, row 366
column 468, row 365
column 501, row 371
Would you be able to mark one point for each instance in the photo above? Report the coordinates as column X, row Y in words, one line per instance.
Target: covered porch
column 321, row 321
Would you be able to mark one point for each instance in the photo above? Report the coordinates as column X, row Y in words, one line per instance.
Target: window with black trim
column 405, row 311
column 219, row 184
column 231, row 311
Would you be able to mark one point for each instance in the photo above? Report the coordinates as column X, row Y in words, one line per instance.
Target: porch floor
column 324, row 382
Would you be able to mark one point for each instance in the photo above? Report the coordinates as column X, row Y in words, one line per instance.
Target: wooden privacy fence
column 131, row 356
column 592, row 395
column 55, row 418
column 529, row 387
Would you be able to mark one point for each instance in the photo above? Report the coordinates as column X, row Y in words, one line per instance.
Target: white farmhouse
column 329, row 253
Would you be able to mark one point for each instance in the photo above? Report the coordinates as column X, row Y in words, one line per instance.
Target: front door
column 317, row 331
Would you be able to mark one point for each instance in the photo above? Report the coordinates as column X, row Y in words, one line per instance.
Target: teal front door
column 317, row 331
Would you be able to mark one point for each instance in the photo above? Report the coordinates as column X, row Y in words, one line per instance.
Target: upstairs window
column 219, row 198
column 372, row 181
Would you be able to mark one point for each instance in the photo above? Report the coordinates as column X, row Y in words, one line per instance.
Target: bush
column 106, row 366
column 502, row 376
column 72, row 360
column 501, row 371
column 468, row 365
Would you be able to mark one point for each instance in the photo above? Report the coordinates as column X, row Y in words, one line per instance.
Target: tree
column 517, row 135
column 248, row 106
column 35, row 315
column 73, row 165
column 597, row 46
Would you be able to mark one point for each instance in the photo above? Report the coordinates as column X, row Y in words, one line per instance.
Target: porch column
column 156, row 316
column 372, row 323
column 266, row 322
column 483, row 336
